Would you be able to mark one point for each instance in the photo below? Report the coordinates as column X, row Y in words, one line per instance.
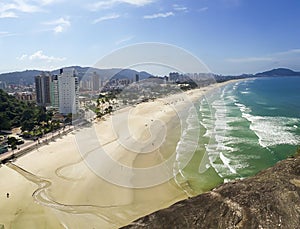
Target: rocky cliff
column 271, row 199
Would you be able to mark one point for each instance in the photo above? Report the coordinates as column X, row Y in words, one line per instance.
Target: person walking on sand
column 7, row 195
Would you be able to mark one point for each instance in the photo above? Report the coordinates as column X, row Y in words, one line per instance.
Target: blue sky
column 229, row 36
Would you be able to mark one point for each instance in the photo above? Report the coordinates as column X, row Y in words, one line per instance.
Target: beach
column 60, row 186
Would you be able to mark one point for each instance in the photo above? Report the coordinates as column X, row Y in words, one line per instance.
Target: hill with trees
column 15, row 113
column 27, row 77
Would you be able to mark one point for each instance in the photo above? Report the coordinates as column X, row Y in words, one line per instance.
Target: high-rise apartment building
column 68, row 91
column 2, row 85
column 54, row 92
column 58, row 91
column 96, row 81
column 42, row 86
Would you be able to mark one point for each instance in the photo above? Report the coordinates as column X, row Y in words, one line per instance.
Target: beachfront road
column 30, row 145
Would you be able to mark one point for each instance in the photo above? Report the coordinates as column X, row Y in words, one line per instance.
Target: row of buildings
column 61, row 92
column 95, row 83
column 91, row 83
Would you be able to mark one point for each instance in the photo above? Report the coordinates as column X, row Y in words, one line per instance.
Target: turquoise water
column 246, row 127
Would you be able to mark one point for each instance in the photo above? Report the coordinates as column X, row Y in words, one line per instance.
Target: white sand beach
column 55, row 187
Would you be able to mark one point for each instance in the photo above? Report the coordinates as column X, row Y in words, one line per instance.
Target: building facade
column 68, row 91
column 54, row 92
column 42, row 87
column 25, row 96
column 2, row 85
column 96, row 82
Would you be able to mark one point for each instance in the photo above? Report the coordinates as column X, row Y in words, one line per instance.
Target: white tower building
column 68, row 90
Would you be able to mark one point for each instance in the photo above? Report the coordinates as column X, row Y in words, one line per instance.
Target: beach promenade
column 29, row 146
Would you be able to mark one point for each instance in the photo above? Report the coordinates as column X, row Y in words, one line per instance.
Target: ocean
column 245, row 127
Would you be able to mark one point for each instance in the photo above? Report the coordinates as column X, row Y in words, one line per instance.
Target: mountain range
column 27, row 77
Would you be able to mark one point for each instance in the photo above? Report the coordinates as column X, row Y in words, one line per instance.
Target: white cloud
column 22, row 57
column 23, row 6
column 177, row 7
column 289, row 52
column 6, row 34
column 60, row 24
column 60, row 21
column 274, row 57
column 40, row 56
column 106, row 4
column 8, row 14
column 3, row 33
column 159, row 15
column 137, row 2
column 107, row 17
column 249, row 59
column 48, row 2
column 58, row 29
column 294, row 51
column 10, row 8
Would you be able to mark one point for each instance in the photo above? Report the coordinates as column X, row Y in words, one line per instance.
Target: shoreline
column 62, row 165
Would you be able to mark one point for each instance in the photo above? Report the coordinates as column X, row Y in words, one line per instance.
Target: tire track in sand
column 40, row 196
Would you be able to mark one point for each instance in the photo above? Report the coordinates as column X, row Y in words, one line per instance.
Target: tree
column 42, row 115
column 4, row 122
column 15, row 113
column 12, row 142
column 27, row 125
column 110, row 109
column 28, row 114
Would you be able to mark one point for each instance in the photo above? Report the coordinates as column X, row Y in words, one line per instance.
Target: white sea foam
column 243, row 108
column 272, row 108
column 222, row 125
column 232, row 98
column 217, row 129
column 271, row 131
column 233, row 119
column 235, row 86
column 188, row 142
column 226, row 162
column 245, row 92
column 261, row 103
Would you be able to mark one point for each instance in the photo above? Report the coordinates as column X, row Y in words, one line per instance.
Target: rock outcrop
column 271, row 199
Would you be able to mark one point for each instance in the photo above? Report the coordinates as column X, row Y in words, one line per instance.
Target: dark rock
column 271, row 199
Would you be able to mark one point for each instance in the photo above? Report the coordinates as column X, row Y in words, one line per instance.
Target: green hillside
column 15, row 113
